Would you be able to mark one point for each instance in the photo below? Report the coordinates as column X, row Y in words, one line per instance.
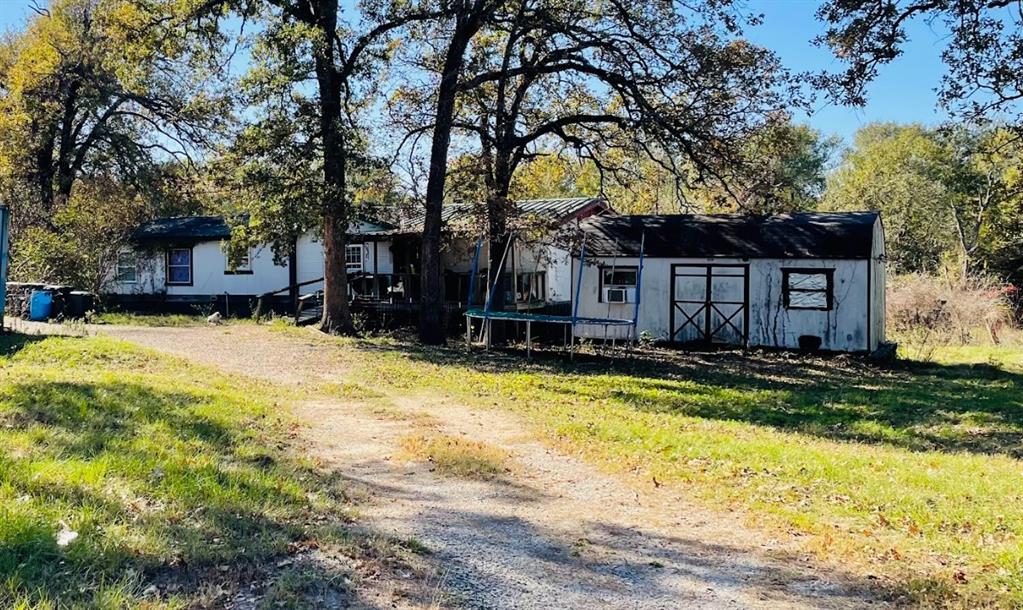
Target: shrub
column 80, row 246
column 926, row 311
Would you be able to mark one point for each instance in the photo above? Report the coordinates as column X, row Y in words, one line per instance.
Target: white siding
column 843, row 328
column 458, row 254
column 209, row 276
column 877, row 287
column 309, row 262
column 310, row 258
column 559, row 275
column 209, row 263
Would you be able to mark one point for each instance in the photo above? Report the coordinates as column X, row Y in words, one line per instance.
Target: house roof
column 846, row 235
column 215, row 228
column 554, row 210
column 198, row 228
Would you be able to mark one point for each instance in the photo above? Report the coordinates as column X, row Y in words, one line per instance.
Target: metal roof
column 555, row 210
column 844, row 235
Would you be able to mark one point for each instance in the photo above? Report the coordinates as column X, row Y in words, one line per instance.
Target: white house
column 810, row 280
column 181, row 262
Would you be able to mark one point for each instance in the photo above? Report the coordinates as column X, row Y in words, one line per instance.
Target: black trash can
column 79, row 303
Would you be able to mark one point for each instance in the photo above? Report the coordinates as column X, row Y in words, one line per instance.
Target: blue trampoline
column 487, row 315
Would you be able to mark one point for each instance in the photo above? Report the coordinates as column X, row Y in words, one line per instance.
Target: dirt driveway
column 555, row 533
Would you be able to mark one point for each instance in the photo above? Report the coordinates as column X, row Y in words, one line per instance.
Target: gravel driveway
column 556, row 533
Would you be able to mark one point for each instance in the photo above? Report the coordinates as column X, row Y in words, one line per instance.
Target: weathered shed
column 785, row 280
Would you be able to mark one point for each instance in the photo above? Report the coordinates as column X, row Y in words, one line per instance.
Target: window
column 617, row 284
column 619, row 277
column 179, row 266
column 529, row 287
column 243, row 267
column 127, row 269
column 353, row 258
column 808, row 288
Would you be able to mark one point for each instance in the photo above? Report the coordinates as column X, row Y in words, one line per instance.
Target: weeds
column 456, row 456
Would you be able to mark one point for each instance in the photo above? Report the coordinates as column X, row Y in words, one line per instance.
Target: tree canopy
column 983, row 50
column 105, row 86
column 947, row 196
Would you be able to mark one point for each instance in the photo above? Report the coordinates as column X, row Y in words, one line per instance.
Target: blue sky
column 904, row 92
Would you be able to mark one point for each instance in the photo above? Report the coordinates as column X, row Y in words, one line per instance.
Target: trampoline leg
column 468, row 333
column 529, row 339
column 490, row 327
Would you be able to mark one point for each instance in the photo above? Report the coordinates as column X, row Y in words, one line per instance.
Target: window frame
column 241, row 269
column 118, row 264
column 603, row 286
column 191, row 266
column 828, row 290
column 349, row 268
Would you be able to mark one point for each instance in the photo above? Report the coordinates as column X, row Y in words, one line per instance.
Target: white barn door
column 710, row 304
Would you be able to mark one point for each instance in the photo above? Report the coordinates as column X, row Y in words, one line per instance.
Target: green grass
column 179, row 482
column 909, row 474
column 134, row 319
column 1000, row 356
column 141, row 319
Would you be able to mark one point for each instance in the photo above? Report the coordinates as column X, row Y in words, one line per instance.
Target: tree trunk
column 337, row 318
column 431, row 312
column 44, row 170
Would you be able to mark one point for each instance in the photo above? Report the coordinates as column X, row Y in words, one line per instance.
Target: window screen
column 619, row 277
column 244, row 264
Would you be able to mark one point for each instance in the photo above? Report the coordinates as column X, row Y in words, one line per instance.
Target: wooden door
column 710, row 304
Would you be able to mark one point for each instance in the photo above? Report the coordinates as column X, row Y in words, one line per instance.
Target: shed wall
column 878, row 288
column 842, row 328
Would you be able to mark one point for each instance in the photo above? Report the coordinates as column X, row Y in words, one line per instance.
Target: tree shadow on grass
column 11, row 343
column 911, row 405
column 165, row 488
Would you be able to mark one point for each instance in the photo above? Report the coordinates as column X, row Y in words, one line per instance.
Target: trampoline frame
column 487, row 315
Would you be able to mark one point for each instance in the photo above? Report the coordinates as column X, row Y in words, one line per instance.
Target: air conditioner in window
column 620, row 295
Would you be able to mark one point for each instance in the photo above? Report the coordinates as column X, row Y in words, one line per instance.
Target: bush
column 926, row 311
column 80, row 246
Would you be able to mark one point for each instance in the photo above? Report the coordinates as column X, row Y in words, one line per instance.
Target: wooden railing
column 264, row 301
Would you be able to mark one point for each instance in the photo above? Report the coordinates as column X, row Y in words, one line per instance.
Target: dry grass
column 456, row 456
column 350, row 391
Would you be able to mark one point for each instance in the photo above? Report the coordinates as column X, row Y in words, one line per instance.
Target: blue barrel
column 40, row 304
